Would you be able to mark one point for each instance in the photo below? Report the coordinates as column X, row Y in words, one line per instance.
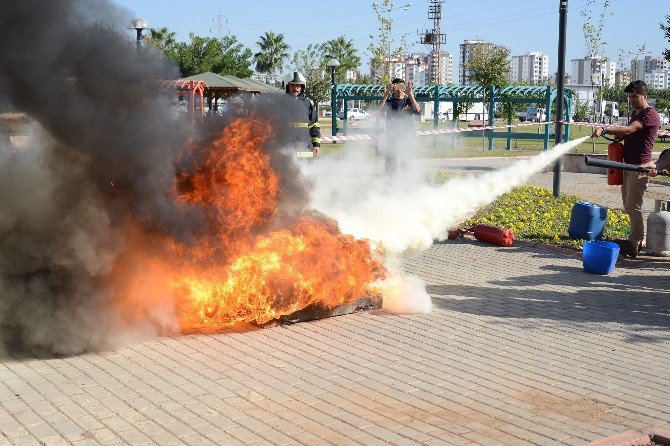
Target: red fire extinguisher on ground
column 486, row 233
column 615, row 153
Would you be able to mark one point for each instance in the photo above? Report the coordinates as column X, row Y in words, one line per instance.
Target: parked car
column 355, row 114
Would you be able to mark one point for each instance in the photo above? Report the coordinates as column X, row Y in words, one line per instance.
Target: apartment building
column 466, row 52
column 583, row 71
column 531, row 68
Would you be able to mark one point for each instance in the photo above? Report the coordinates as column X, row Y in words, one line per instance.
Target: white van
column 611, row 109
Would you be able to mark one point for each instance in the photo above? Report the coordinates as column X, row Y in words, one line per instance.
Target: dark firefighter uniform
column 306, row 108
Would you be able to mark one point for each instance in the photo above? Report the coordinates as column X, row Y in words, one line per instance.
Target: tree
column 273, row 53
column 594, row 44
column 593, row 33
column 163, row 40
column 381, row 43
column 344, row 51
column 489, row 67
column 221, row 56
column 366, row 79
column 311, row 63
column 581, row 110
column 666, row 30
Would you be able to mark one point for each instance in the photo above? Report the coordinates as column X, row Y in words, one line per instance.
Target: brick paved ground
column 522, row 347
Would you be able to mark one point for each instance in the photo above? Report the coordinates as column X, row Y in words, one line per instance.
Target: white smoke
column 403, row 293
column 406, row 214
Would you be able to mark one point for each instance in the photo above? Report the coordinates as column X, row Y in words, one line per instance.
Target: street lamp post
column 138, row 25
column 333, row 64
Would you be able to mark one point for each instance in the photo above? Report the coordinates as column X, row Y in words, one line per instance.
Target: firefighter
column 295, row 86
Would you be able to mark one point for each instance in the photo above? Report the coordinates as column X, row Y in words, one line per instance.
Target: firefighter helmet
column 295, row 77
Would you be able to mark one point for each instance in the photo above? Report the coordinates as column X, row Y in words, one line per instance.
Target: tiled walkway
column 522, row 347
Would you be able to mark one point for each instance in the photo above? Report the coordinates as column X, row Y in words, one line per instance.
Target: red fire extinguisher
column 485, row 233
column 615, row 153
column 493, row 234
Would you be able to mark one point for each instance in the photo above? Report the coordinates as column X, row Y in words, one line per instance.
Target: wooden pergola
column 216, row 86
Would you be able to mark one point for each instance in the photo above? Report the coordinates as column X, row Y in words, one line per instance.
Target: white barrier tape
column 476, row 129
column 595, row 124
column 345, row 138
column 434, row 132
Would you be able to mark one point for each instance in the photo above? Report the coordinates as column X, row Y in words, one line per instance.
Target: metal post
column 436, row 111
column 139, row 39
column 492, row 106
column 562, row 24
column 333, row 108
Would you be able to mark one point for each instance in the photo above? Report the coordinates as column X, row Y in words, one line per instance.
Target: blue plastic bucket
column 600, row 257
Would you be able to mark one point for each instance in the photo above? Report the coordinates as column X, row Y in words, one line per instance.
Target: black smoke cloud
column 103, row 152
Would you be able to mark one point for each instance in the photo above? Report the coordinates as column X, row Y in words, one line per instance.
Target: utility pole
column 435, row 39
column 219, row 25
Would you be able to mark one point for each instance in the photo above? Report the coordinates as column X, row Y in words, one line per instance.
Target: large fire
column 238, row 270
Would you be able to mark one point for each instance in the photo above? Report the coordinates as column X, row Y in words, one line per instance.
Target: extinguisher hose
column 597, row 162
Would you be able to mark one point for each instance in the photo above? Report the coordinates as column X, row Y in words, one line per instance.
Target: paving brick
column 517, row 340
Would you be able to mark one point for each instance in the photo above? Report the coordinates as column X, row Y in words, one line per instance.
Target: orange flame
column 231, row 273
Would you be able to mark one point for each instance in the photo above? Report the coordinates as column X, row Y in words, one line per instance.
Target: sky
column 520, row 25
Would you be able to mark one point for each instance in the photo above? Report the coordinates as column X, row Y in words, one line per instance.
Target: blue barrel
column 600, row 257
column 587, row 221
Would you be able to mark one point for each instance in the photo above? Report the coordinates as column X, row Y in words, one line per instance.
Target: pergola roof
column 229, row 83
column 212, row 80
column 451, row 91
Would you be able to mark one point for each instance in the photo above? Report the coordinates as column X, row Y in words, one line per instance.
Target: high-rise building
column 657, row 79
column 656, row 63
column 622, row 78
column 641, row 67
column 466, row 51
column 417, row 68
column 532, row 67
column 593, row 70
column 446, row 64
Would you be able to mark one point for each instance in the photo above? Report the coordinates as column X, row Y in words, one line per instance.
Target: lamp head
column 138, row 23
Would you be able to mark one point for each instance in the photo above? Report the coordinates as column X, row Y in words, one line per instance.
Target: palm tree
column 162, row 39
column 273, row 53
column 344, row 51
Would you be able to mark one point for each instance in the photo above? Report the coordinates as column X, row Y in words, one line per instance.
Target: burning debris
column 116, row 224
